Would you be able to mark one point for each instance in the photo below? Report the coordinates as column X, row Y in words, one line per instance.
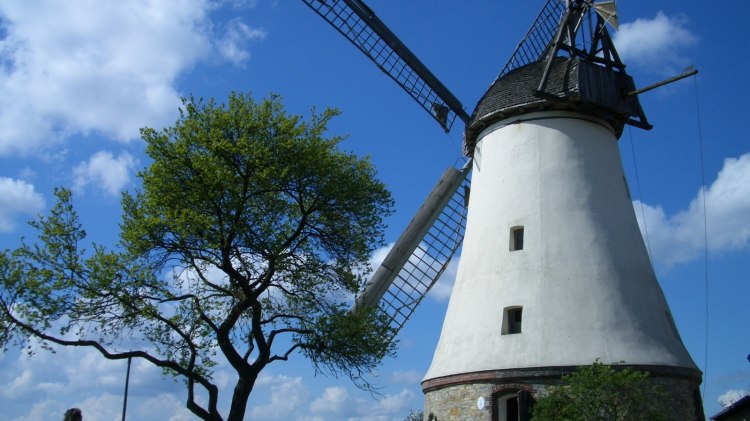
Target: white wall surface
column 584, row 279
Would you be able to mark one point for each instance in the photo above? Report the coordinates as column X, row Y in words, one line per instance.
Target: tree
column 246, row 242
column 415, row 416
column 602, row 393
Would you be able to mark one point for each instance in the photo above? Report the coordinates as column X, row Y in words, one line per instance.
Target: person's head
column 73, row 414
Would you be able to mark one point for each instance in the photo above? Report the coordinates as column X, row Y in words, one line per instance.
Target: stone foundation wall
column 459, row 403
column 473, row 401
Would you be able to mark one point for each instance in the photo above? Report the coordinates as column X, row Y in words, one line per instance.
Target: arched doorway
column 511, row 405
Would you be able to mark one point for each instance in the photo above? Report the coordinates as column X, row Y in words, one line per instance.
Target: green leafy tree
column 602, row 392
column 245, row 244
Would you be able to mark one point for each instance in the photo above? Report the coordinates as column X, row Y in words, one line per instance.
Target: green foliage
column 248, row 239
column 602, row 393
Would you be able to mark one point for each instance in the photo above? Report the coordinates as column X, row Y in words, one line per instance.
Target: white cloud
column 288, row 394
column 84, row 66
column 108, row 406
column 232, row 44
column 17, row 197
column 379, row 255
column 69, row 369
column 18, row 385
column 333, row 401
column 166, row 405
column 104, row 170
column 44, row 410
column 392, row 404
column 292, row 400
column 337, row 403
column 103, row 407
column 43, row 386
column 680, row 238
column 91, row 369
column 731, row 396
column 656, row 43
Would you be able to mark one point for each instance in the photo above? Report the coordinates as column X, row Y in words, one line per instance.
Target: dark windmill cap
column 574, row 84
column 567, row 61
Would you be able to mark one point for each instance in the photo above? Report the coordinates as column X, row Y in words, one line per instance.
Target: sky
column 79, row 78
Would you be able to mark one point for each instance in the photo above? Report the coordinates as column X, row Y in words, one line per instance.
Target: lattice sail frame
column 420, row 256
column 537, row 42
column 427, row 263
column 355, row 21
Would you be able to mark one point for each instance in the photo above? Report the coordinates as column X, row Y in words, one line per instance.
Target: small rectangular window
column 514, row 325
column 516, row 238
column 512, row 317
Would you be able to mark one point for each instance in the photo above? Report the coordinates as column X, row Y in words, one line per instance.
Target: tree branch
column 286, row 355
column 171, row 365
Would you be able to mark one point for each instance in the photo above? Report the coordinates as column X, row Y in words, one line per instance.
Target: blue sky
column 79, row 78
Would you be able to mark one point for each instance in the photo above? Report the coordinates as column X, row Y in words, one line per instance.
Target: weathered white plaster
column 583, row 278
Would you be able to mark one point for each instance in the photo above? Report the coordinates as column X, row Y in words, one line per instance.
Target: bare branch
column 286, row 355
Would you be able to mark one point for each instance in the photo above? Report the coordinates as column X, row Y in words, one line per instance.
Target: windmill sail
column 422, row 253
column 354, row 20
column 608, row 11
column 536, row 43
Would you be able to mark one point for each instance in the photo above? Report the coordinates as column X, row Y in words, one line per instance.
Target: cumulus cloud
column 337, row 403
column 655, row 44
column 393, row 404
column 291, row 399
column 333, row 401
column 288, row 395
column 680, row 237
column 166, row 405
column 108, row 406
column 87, row 66
column 731, row 396
column 71, row 369
column 20, row 383
column 43, row 386
column 238, row 34
column 44, row 410
column 105, row 171
column 17, row 197
column 379, row 255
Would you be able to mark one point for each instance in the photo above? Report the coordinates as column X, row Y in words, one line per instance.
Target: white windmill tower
column 554, row 273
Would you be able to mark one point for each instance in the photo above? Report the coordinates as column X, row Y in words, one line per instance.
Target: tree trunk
column 240, row 396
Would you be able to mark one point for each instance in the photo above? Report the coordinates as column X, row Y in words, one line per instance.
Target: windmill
column 554, row 273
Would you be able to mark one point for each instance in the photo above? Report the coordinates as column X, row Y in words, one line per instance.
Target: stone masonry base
column 472, row 396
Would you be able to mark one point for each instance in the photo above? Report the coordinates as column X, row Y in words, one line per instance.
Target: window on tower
column 516, row 238
column 512, row 320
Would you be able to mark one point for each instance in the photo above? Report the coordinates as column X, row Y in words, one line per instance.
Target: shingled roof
column 573, row 84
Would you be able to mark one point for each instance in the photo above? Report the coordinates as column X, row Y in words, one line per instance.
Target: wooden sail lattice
column 423, row 252
column 355, row 21
column 428, row 261
column 537, row 42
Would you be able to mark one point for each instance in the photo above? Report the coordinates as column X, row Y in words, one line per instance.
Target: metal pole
column 127, row 382
column 687, row 73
